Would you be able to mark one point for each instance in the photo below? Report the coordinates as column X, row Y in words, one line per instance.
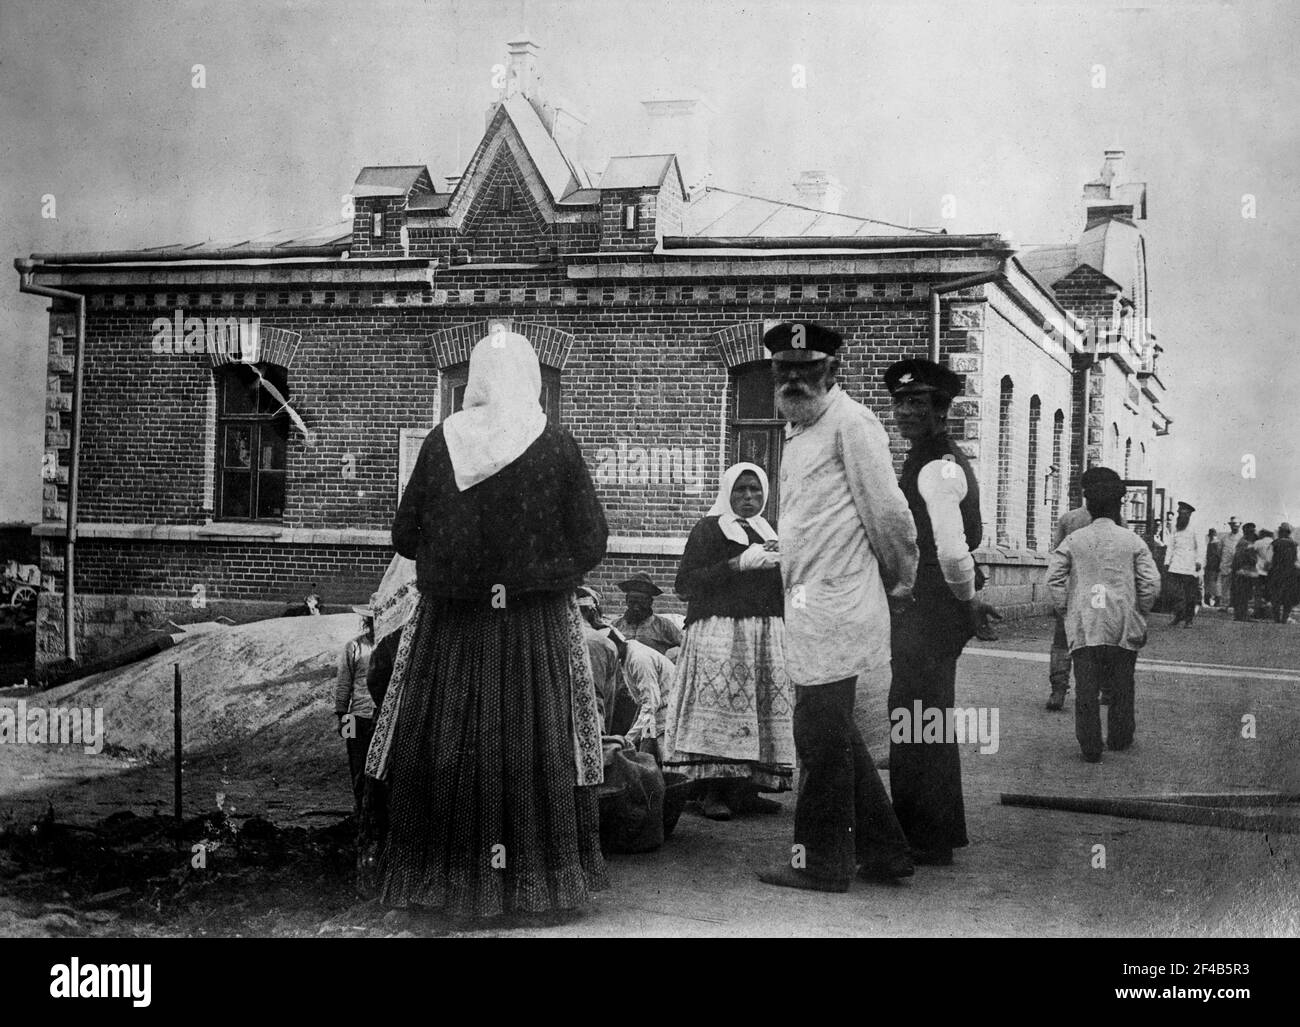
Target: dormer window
column 377, row 225
column 629, row 217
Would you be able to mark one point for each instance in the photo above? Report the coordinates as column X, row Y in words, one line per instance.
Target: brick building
column 249, row 408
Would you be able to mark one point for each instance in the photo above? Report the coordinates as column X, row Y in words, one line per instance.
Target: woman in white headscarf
column 489, row 736
column 730, row 719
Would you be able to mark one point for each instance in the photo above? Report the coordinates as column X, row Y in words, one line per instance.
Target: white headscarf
column 502, row 415
column 727, row 518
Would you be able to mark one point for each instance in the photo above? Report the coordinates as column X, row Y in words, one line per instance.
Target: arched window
column 756, row 428
column 1058, row 479
column 1031, row 486
column 1114, row 445
column 1004, row 461
column 252, row 439
column 1128, row 456
column 455, row 378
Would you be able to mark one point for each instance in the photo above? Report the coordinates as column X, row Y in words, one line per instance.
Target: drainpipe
column 954, row 286
column 26, row 269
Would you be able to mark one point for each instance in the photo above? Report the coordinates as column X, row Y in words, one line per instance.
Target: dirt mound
column 259, row 695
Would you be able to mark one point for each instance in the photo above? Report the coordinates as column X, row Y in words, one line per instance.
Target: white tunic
column 847, row 536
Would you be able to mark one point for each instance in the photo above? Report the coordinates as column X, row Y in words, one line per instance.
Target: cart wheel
column 23, row 595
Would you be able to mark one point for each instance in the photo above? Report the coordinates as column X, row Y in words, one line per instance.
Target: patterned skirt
column 731, row 714
column 485, row 815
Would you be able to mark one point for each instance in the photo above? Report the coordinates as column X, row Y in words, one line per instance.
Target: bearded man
column 847, row 538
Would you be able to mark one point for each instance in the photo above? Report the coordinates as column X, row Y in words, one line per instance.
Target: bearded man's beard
column 800, row 403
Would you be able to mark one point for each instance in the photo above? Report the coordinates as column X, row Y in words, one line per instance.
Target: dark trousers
column 357, row 749
column 925, row 777
column 1243, row 593
column 1058, row 667
column 1106, row 668
column 842, row 816
column 1186, row 596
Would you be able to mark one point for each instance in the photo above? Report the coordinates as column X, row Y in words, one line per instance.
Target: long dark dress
column 495, row 732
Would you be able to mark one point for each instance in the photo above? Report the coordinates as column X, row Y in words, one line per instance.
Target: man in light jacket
column 1103, row 579
column 847, row 539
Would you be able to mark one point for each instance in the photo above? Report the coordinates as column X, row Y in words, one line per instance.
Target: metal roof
column 392, row 180
column 720, row 212
column 641, row 171
column 560, row 176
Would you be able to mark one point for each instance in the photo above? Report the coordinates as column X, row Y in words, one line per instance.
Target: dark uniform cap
column 801, row 341
column 1190, row 508
column 917, row 375
column 641, row 582
column 1101, row 482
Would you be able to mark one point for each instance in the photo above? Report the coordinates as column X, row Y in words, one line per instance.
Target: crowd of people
column 1105, row 582
column 489, row 701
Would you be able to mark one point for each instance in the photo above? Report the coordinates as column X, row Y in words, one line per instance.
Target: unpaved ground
column 1026, row 872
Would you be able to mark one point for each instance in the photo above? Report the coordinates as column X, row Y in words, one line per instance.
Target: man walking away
column 1105, row 582
column 1185, row 558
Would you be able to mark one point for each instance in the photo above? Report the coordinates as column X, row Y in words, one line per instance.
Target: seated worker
column 640, row 622
column 605, row 669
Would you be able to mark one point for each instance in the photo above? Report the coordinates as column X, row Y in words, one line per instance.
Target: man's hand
column 981, row 614
column 900, row 601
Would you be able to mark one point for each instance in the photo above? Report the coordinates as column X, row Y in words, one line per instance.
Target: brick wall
column 644, row 372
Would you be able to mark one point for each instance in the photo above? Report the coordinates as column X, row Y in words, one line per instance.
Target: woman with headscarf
column 730, row 720
column 1283, row 583
column 489, row 735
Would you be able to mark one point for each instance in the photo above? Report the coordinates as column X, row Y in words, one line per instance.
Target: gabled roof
column 1049, row 264
column 392, row 180
column 1111, row 247
column 642, row 171
column 722, row 213
column 559, row 175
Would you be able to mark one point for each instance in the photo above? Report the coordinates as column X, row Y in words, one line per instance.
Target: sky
column 999, row 105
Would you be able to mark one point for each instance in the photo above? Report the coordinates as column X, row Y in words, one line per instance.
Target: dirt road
column 1027, row 872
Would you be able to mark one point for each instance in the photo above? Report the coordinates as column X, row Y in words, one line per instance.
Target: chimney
column 522, row 75
column 1106, row 197
column 820, row 190
column 683, row 126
